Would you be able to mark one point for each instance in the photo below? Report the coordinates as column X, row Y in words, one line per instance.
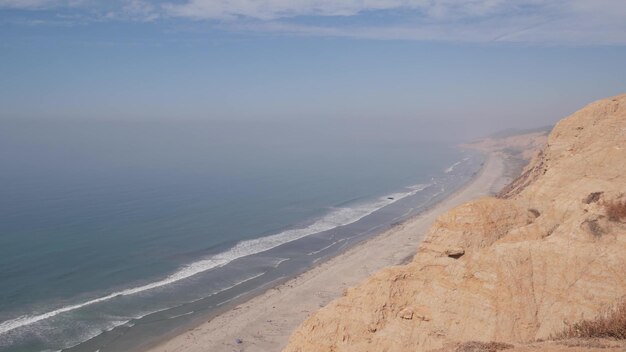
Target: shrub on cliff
column 616, row 210
column 611, row 324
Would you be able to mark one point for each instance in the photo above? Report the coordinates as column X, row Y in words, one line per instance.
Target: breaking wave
column 337, row 217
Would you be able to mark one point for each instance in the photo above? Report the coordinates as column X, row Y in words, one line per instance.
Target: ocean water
column 115, row 233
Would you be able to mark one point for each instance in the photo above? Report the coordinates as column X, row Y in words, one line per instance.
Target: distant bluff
column 550, row 250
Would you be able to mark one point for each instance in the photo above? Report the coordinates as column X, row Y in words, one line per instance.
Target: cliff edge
column 548, row 251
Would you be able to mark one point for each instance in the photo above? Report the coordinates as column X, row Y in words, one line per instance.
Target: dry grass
column 475, row 346
column 611, row 324
column 588, row 343
column 616, row 210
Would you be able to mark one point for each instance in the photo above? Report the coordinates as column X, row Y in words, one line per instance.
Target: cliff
column 516, row 268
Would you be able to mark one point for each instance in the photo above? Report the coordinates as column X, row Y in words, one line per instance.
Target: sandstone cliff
column 513, row 268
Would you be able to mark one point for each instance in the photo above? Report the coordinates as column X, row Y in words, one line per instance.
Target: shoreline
column 264, row 320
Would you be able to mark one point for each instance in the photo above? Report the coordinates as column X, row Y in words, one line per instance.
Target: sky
column 472, row 66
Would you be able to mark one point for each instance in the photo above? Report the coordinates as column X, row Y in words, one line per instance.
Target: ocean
column 113, row 234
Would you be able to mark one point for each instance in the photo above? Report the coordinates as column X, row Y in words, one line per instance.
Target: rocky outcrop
column 514, row 268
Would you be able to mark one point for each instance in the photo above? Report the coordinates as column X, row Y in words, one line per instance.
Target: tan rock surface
column 515, row 268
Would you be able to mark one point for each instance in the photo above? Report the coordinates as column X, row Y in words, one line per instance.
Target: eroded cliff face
column 515, row 268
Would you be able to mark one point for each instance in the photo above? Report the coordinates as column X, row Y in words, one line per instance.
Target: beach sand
column 265, row 322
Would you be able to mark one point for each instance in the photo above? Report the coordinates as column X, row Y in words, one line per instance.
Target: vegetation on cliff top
column 610, row 324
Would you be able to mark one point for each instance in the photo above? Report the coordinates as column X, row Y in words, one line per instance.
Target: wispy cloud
column 571, row 22
column 23, row 4
column 135, row 10
column 274, row 9
column 38, row 4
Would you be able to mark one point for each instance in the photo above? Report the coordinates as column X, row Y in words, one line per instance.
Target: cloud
column 274, row 9
column 576, row 22
column 68, row 12
column 38, row 4
column 570, row 22
column 135, row 10
column 25, row 4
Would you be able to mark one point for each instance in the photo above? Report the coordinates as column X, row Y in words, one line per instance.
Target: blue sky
column 481, row 64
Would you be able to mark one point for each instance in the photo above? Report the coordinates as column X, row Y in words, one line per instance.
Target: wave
column 181, row 315
column 279, row 262
column 337, row 217
column 245, row 293
column 451, row 168
column 95, row 332
column 239, row 282
column 323, row 249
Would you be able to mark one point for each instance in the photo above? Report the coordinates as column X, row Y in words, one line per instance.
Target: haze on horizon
column 436, row 69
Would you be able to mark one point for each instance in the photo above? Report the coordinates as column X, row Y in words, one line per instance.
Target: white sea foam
column 280, row 261
column 337, row 217
column 231, row 299
column 322, row 249
column 145, row 314
column 95, row 332
column 181, row 315
column 239, row 282
column 244, row 293
column 451, row 168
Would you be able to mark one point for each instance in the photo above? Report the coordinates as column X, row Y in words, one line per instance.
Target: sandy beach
column 265, row 322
